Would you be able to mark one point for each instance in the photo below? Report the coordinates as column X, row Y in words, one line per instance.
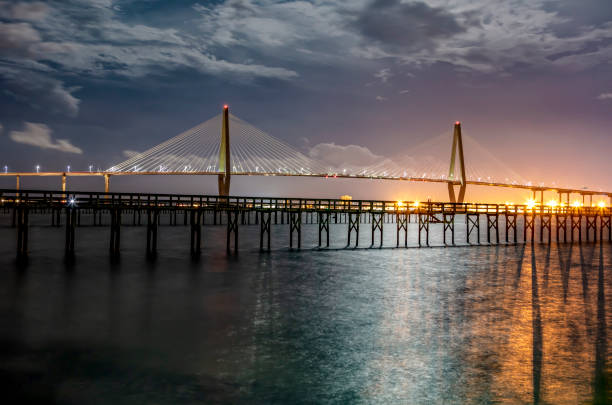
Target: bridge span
column 206, row 150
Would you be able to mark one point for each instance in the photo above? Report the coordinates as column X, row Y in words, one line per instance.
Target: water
column 491, row 324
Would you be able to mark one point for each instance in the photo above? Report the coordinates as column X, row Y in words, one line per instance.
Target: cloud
column 409, row 26
column 405, row 91
column 39, row 135
column 383, row 75
column 93, row 39
column 381, row 98
column 605, row 96
column 1, row 128
column 42, row 44
column 341, row 156
column 39, row 91
column 482, row 36
column 130, row 153
column 17, row 36
column 23, row 11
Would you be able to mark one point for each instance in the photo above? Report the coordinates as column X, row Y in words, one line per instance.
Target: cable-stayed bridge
column 226, row 146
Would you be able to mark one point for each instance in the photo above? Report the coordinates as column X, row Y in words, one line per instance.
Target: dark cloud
column 39, row 91
column 411, row 26
column 578, row 14
column 586, row 48
column 23, row 11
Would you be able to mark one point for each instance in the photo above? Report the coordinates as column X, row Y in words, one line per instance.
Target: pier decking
column 543, row 224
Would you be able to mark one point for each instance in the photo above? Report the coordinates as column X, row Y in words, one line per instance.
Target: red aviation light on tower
column 225, row 107
column 457, row 122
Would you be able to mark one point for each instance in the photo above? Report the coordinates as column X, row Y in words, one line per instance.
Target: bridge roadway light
column 601, row 204
column 68, row 168
column 37, row 168
column 5, row 169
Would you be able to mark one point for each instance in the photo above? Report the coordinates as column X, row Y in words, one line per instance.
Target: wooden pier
column 542, row 224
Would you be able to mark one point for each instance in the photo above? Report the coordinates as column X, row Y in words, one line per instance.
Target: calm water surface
column 491, row 324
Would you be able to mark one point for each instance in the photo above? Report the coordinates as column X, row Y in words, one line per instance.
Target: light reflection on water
column 505, row 324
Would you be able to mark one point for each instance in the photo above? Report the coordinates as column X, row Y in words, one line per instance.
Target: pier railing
column 86, row 199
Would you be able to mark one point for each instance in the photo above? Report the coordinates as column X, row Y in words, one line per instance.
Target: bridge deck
column 562, row 190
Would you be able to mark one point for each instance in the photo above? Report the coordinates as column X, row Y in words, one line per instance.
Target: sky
column 88, row 82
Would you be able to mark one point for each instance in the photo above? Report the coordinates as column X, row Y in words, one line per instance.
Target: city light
column 576, row 204
column 552, row 203
column 90, row 166
column 601, row 204
column 37, row 168
column 5, row 169
column 531, row 203
column 68, row 168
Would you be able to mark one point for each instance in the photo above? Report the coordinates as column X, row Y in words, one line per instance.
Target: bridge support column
column 70, row 231
column 577, row 224
column 232, row 227
column 493, row 224
column 448, row 220
column 295, row 224
column 353, row 225
column 64, row 182
column 264, row 230
column 457, row 147
column 545, row 224
column 17, row 184
column 323, row 221
column 196, row 232
column 424, row 218
column 152, row 225
column 472, row 222
column 401, row 221
column 106, row 183
column 224, row 156
column 561, row 224
column 511, row 224
column 529, row 224
column 377, row 224
column 591, row 223
column 115, row 231
column 605, row 223
column 22, row 232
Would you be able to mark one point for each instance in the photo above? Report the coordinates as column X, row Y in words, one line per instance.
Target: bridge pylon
column 452, row 177
column 224, row 155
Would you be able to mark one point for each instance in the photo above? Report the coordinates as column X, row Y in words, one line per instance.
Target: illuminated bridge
column 208, row 149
